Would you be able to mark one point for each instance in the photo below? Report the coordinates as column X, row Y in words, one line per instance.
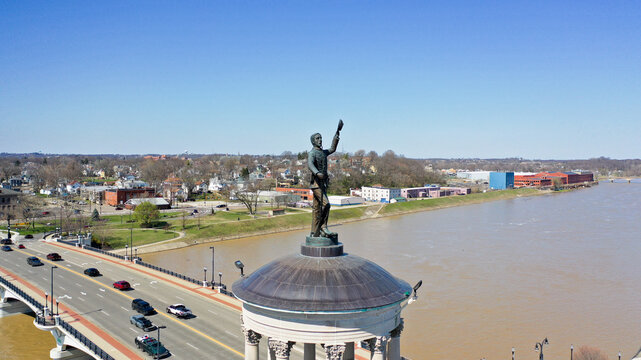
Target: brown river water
column 495, row 275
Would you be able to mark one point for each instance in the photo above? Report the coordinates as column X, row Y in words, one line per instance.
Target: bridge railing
column 223, row 288
column 42, row 320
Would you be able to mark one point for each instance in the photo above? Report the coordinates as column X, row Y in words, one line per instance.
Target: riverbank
column 300, row 221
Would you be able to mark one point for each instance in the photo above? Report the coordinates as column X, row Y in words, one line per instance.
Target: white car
column 179, row 310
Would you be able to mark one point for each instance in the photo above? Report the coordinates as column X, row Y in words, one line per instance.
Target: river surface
column 496, row 275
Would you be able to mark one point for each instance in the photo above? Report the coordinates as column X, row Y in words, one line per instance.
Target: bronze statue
column 317, row 163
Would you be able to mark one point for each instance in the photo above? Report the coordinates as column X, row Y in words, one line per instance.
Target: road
column 214, row 330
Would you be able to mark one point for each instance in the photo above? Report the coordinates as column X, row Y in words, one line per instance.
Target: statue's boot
column 327, row 233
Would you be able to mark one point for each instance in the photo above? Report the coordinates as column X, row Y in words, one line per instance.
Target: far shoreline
column 362, row 213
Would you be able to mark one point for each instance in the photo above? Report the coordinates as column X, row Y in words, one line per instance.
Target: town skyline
column 534, row 81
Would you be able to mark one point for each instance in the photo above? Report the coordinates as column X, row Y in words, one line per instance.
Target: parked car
column 122, row 285
column 92, row 272
column 151, row 346
column 6, row 248
column 142, row 322
column 179, row 310
column 28, row 236
column 221, row 205
column 45, row 213
column 54, row 257
column 195, row 211
column 34, row 261
column 142, row 307
column 6, row 242
column 21, row 246
column 118, row 208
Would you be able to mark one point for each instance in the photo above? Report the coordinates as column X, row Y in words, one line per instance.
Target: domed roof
column 305, row 283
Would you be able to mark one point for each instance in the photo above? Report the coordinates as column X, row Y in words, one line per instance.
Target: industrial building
column 501, row 180
column 115, row 197
column 345, row 200
column 379, row 193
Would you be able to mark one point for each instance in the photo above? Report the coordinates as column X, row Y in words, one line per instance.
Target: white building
column 379, row 194
column 481, row 176
column 345, row 200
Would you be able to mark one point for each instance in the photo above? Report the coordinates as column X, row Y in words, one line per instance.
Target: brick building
column 305, row 194
column 115, row 197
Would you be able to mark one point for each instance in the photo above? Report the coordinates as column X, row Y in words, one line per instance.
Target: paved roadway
column 213, row 333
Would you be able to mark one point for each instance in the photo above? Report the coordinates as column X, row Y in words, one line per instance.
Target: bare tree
column 589, row 353
column 249, row 197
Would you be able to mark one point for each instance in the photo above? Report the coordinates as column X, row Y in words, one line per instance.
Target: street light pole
column 571, row 351
column 53, row 267
column 512, row 353
column 220, row 280
column 9, row 226
column 539, row 346
column 126, row 251
column 619, row 355
column 212, row 266
column 205, row 277
column 158, row 344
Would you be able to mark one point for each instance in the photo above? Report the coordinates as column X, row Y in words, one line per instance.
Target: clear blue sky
column 532, row 79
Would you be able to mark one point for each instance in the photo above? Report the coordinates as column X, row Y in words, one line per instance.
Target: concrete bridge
column 90, row 319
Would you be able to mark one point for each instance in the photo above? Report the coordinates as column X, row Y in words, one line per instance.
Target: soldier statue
column 317, row 163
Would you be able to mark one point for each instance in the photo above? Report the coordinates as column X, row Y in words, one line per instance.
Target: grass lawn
column 117, row 238
column 402, row 207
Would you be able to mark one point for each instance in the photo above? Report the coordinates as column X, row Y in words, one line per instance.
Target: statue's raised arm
column 317, row 163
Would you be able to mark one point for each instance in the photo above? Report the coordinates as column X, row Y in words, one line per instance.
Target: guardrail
column 42, row 320
column 223, row 288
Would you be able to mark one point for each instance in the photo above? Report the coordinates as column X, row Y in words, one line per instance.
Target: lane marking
column 83, row 293
column 103, row 290
column 232, row 334
column 62, row 288
column 213, row 312
column 124, row 308
column 104, row 312
column 100, row 295
column 192, row 346
column 133, row 330
column 81, row 299
column 78, row 285
column 180, row 298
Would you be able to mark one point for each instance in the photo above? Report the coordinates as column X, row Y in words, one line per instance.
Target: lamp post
column 126, row 251
column 239, row 264
column 131, row 230
column 136, row 252
column 619, row 355
column 571, row 351
column 212, row 266
column 205, row 277
column 57, row 302
column 220, row 280
column 9, row 226
column 44, row 311
column 539, row 347
column 512, row 353
column 53, row 267
column 158, row 345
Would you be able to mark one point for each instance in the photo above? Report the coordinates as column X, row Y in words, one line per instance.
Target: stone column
column 310, row 351
column 252, row 339
column 280, row 349
column 349, row 351
column 395, row 342
column 377, row 347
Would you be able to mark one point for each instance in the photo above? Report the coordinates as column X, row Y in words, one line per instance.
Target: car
column 92, row 272
column 151, row 346
column 54, row 257
column 221, row 206
column 6, row 248
column 122, row 285
column 76, row 211
column 6, row 242
column 142, row 307
column 28, row 236
column 118, row 208
column 34, row 261
column 21, row 246
column 142, row 322
column 195, row 211
column 45, row 213
column 179, row 310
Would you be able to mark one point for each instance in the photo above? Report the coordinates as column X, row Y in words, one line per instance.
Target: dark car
column 118, row 208
column 92, row 272
column 122, row 285
column 151, row 346
column 142, row 322
column 28, row 236
column 6, row 248
column 34, row 261
column 54, row 257
column 221, row 205
column 6, row 242
column 142, row 307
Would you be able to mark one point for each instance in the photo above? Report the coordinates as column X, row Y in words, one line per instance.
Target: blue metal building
column 501, row 180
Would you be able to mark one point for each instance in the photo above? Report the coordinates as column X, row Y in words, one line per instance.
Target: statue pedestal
column 320, row 246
